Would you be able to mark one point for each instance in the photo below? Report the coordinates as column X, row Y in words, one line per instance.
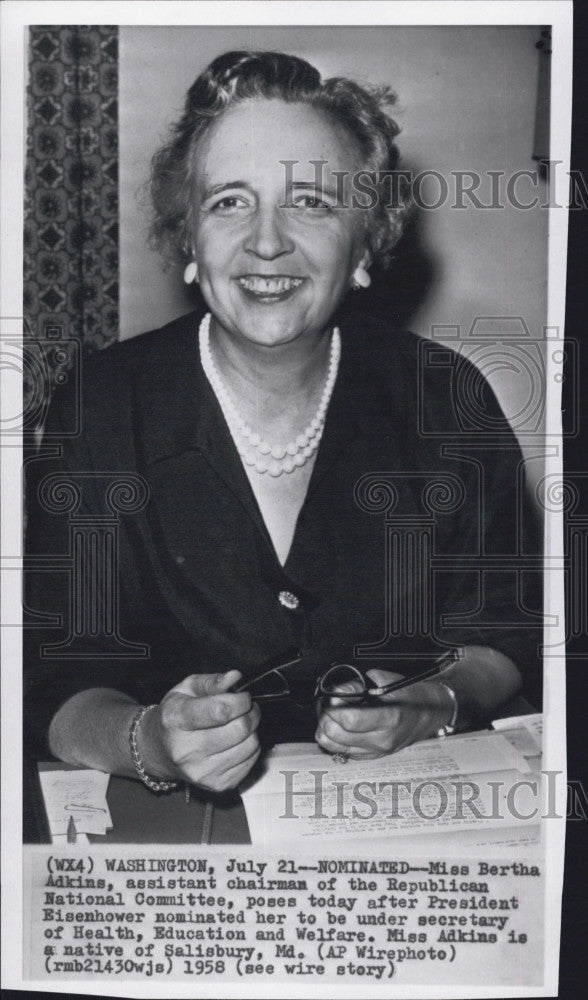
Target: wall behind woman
column 466, row 102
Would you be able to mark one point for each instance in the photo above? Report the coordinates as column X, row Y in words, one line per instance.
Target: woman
column 251, row 427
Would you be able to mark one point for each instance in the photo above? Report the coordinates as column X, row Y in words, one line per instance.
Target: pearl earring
column 361, row 278
column 191, row 272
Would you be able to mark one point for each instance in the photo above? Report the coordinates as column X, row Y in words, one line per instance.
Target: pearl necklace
column 254, row 451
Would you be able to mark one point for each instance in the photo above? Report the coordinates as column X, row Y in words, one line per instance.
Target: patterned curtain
column 71, row 261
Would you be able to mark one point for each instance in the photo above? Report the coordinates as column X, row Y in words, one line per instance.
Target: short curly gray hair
column 238, row 76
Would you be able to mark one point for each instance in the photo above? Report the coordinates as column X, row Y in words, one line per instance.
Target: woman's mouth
column 269, row 289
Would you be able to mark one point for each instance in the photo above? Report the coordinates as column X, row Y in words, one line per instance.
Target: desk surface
column 141, row 817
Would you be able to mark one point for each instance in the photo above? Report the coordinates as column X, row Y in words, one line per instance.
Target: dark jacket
column 409, row 540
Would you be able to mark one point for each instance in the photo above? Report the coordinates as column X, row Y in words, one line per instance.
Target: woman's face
column 275, row 246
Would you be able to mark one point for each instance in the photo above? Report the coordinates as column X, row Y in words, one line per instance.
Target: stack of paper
column 421, row 790
column 524, row 732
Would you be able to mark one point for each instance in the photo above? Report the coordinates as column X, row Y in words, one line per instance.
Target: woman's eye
column 312, row 202
column 228, row 204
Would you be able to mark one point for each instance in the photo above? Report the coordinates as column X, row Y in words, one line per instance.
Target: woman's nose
column 269, row 237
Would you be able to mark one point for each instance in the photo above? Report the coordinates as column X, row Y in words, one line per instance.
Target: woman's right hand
column 202, row 733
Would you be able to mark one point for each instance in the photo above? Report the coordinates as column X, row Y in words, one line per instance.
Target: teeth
column 269, row 286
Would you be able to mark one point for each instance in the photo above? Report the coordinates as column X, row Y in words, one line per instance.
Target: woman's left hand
column 383, row 725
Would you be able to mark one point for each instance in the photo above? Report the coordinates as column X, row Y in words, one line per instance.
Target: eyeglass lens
column 301, row 688
column 339, row 674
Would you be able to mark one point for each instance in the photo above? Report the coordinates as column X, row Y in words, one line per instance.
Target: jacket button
column 288, row 600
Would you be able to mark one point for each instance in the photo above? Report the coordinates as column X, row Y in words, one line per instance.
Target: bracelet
column 449, row 728
column 152, row 783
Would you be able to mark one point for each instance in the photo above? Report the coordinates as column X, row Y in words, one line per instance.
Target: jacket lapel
column 179, row 426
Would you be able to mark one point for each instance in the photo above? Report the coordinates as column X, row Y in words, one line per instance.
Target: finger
column 349, row 687
column 200, row 685
column 382, row 677
column 375, row 738
column 217, row 740
column 349, row 749
column 207, row 744
column 210, row 772
column 208, row 712
column 360, row 719
column 235, row 775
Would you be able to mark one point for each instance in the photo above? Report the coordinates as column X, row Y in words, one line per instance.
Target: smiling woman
column 358, row 117
column 275, row 261
column 252, row 430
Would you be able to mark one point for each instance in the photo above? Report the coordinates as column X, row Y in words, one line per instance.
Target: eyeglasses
column 290, row 680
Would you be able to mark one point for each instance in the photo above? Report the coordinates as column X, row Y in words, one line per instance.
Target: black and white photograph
column 285, row 529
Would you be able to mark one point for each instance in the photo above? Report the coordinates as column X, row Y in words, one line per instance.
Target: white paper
column 78, row 795
column 475, row 754
column 524, row 733
column 307, row 795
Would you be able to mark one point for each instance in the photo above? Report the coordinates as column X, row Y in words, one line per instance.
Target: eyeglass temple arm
column 246, row 684
column 449, row 657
